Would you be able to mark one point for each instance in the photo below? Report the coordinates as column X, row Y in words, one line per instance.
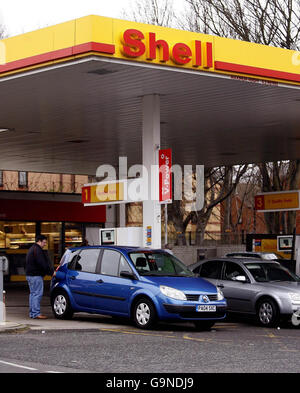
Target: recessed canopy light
column 4, row 129
column 78, row 141
column 102, row 71
column 228, row 154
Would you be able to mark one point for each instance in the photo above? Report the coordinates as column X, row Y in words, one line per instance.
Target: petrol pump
column 297, row 253
column 126, row 236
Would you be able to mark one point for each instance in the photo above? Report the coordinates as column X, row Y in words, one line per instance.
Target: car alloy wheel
column 267, row 313
column 144, row 314
column 61, row 305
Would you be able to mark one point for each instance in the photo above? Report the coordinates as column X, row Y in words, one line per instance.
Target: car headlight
column 220, row 294
column 172, row 293
column 295, row 297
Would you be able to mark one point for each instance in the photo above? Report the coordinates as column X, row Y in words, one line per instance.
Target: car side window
column 87, row 260
column 232, row 270
column 110, row 263
column 211, row 269
column 124, row 265
column 71, row 256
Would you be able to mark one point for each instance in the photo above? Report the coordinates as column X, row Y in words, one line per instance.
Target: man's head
column 41, row 240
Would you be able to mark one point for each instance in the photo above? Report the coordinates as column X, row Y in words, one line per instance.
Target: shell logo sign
column 136, row 44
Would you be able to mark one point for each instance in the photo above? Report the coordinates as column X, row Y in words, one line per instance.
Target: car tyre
column 267, row 312
column 204, row 325
column 61, row 306
column 144, row 314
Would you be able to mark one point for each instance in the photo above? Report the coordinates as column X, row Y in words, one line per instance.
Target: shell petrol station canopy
column 71, row 97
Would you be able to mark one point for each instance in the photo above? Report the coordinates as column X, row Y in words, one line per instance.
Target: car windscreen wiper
column 149, row 274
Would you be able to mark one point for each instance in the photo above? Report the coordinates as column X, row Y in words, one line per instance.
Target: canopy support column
column 151, row 145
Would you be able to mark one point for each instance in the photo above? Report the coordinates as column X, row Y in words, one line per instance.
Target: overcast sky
column 21, row 16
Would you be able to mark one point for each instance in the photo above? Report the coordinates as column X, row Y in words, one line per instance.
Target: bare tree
column 154, row 12
column 3, row 32
column 280, row 176
column 268, row 22
column 220, row 183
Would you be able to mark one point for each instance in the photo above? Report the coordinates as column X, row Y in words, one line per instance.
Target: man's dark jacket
column 37, row 262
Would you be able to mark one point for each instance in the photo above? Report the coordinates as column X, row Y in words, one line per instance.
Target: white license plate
column 206, row 308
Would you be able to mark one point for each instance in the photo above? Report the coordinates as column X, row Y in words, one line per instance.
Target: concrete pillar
column 122, row 206
column 151, row 144
column 122, row 215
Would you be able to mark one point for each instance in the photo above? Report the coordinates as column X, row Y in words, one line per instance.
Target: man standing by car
column 37, row 266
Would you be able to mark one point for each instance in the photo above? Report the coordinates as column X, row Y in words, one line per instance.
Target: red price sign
column 259, row 202
column 86, row 194
column 165, row 176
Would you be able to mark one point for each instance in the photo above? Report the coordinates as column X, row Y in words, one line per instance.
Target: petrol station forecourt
column 83, row 93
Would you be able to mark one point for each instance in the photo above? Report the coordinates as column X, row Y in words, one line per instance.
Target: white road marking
column 18, row 365
column 30, row 368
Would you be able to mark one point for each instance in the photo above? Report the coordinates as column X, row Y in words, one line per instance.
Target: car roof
column 119, row 248
column 241, row 261
column 250, row 252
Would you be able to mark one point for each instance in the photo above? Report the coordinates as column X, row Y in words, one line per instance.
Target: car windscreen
column 267, row 272
column 159, row 264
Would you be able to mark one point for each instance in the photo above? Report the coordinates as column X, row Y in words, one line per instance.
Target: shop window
column 23, row 179
column 73, row 234
column 73, row 183
column 17, row 235
column 53, row 231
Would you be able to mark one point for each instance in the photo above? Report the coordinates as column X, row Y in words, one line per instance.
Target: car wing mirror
column 241, row 279
column 127, row 274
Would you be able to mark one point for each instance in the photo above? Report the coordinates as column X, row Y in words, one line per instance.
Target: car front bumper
column 188, row 312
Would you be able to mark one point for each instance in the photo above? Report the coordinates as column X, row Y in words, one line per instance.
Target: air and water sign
column 277, row 201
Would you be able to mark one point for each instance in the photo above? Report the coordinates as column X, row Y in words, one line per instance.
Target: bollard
column 4, row 308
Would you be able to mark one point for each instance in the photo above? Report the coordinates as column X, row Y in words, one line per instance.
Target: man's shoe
column 41, row 317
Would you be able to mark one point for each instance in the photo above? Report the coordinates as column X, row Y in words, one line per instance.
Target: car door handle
column 220, row 286
column 73, row 278
column 99, row 281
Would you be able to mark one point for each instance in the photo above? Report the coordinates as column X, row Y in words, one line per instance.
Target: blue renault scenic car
column 144, row 285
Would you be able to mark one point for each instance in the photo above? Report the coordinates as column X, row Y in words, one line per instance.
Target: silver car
column 268, row 256
column 257, row 287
